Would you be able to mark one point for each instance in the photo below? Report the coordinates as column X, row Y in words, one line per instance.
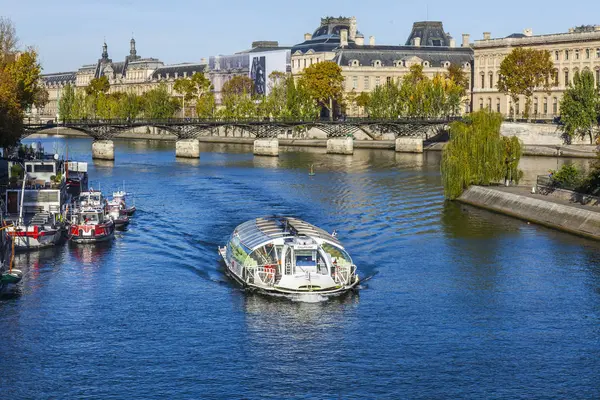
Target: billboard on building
column 263, row 64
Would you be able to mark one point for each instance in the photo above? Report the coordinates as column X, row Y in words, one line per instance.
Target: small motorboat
column 284, row 255
column 113, row 210
column 91, row 225
column 120, row 197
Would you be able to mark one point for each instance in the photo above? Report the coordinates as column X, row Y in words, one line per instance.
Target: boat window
column 337, row 254
column 265, row 255
column 306, row 258
column 43, row 168
column 236, row 250
column 89, row 218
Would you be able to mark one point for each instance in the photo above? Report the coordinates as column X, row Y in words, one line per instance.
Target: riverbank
column 552, row 212
column 575, row 151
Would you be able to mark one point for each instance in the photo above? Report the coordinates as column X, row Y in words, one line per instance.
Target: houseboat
column 35, row 202
column 90, row 225
column 285, row 255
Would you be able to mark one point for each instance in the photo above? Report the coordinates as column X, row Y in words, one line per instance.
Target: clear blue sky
column 69, row 33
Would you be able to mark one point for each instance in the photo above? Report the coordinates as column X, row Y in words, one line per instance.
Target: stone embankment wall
column 577, row 220
column 537, row 134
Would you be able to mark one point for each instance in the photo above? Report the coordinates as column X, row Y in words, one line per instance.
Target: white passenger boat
column 284, row 255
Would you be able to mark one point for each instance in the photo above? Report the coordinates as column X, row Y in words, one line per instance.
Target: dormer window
column 398, row 63
column 426, row 64
column 466, row 65
column 377, row 63
column 354, row 63
column 446, row 64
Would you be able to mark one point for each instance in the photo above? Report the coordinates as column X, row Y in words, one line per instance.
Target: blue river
column 456, row 302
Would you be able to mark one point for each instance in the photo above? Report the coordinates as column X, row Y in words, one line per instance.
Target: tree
column 580, row 108
column 478, row 155
column 98, row 85
column 8, row 40
column 524, row 70
column 239, row 85
column 158, row 104
column 194, row 87
column 66, row 103
column 206, row 106
column 323, row 82
column 457, row 75
column 237, row 98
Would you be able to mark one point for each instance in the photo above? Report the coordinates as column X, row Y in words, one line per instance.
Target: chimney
column 417, row 42
column 307, row 36
column 487, row 35
column 352, row 33
column 371, row 40
column 465, row 39
column 528, row 32
column 360, row 41
column 452, row 42
column 344, row 38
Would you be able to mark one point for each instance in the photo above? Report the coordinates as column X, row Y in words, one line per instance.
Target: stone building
column 576, row 50
column 368, row 65
column 135, row 75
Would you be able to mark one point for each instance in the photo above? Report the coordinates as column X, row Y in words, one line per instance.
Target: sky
column 70, row 33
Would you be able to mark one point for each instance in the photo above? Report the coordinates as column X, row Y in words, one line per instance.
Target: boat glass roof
column 260, row 231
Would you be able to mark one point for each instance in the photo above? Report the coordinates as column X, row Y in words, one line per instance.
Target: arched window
column 566, row 77
column 498, row 104
column 481, row 104
column 545, row 106
column 482, row 81
column 491, row 80
column 535, row 106
column 555, row 106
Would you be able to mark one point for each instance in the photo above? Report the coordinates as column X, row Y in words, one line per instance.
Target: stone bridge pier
column 103, row 150
column 409, row 145
column 187, row 148
column 266, row 147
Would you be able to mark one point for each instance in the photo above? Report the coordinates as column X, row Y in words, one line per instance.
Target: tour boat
column 91, row 225
column 91, row 198
column 35, row 207
column 113, row 209
column 285, row 255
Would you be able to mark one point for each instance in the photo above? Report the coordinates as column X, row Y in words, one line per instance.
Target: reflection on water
column 457, row 295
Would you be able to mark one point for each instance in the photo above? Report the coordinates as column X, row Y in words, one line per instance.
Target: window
column 556, row 54
column 587, row 54
column 497, row 105
column 491, row 80
column 481, row 104
column 577, row 54
column 43, row 168
column 566, row 78
column 555, row 73
column 377, row 81
column 545, row 105
column 305, row 63
column 388, row 80
column 566, row 54
column 482, row 81
column 366, row 83
column 28, row 168
column 489, row 104
column 517, row 108
column 535, row 106
column 598, row 77
column 355, row 82
column 555, row 106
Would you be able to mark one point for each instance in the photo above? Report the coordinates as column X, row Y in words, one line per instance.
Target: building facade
column 366, row 66
column 134, row 75
column 576, row 50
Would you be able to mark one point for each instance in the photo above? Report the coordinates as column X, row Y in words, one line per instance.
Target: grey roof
column 516, row 36
column 436, row 56
column 260, row 231
column 189, row 69
column 431, row 34
column 59, row 78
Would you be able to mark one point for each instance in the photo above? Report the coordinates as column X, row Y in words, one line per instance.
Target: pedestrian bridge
column 340, row 133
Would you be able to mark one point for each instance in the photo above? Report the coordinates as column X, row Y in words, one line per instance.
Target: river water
column 456, row 303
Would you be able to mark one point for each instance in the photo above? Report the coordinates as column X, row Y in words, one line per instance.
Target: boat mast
column 22, row 197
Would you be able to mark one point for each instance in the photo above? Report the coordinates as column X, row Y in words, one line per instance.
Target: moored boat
column 113, row 210
column 8, row 275
column 90, row 225
column 285, row 255
column 35, row 206
column 121, row 197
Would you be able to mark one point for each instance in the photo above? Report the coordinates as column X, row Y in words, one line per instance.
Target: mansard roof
column 436, row 56
column 180, row 69
column 431, row 33
column 59, row 78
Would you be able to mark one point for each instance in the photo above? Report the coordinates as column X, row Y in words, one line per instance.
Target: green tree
column 458, row 75
column 130, row 106
column 524, row 70
column 478, row 155
column 206, row 106
column 66, row 103
column 158, row 104
column 580, row 108
column 237, row 98
column 362, row 101
column 98, row 85
column 323, row 82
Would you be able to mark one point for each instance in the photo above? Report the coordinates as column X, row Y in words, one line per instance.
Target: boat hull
column 25, row 241
column 93, row 239
column 128, row 211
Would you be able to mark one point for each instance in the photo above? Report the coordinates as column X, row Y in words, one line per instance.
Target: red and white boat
column 91, row 225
